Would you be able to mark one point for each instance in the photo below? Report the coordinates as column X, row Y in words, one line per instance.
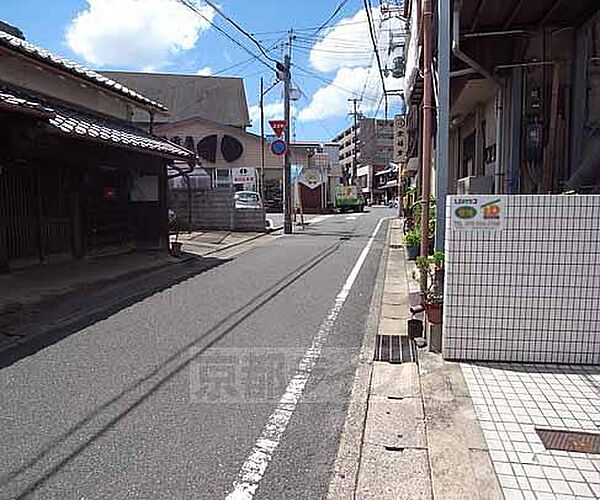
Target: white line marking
column 256, row 464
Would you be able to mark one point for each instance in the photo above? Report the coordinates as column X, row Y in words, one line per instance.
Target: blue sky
column 330, row 66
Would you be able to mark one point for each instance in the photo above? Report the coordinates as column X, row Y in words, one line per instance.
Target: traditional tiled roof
column 216, row 98
column 78, row 124
column 33, row 51
column 13, row 103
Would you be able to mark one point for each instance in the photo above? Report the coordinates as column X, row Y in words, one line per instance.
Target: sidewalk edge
column 344, row 477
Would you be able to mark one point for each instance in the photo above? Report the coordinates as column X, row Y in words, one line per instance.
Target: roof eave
column 22, row 110
column 163, row 110
column 146, row 151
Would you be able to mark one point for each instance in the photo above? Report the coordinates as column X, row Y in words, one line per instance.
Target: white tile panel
column 530, row 290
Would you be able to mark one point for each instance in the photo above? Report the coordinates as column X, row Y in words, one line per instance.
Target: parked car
column 393, row 203
column 247, row 199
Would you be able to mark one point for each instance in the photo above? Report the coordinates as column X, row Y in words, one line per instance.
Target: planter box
column 176, row 248
column 412, row 252
column 434, row 313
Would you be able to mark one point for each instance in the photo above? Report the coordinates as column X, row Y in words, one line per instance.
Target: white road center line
column 253, row 469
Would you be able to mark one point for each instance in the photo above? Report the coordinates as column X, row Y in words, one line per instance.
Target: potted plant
column 177, row 226
column 412, row 241
column 431, row 271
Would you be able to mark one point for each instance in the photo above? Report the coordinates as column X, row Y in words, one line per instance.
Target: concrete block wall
column 214, row 209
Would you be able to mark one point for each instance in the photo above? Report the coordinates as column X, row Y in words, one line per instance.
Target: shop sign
column 477, row 213
column 243, row 175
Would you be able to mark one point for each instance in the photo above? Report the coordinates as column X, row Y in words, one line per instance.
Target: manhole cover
column 582, row 442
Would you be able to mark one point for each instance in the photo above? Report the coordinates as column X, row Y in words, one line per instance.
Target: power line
column 194, row 9
column 332, row 16
column 315, row 113
column 330, row 82
column 310, row 28
column 245, row 61
column 367, row 4
column 307, row 49
column 335, row 41
column 370, row 64
column 362, row 94
column 240, row 29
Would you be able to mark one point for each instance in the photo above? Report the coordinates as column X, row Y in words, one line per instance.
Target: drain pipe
column 469, row 61
column 498, row 174
column 458, row 53
column 427, row 125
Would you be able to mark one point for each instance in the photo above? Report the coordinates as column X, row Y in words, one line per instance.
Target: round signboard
column 278, row 147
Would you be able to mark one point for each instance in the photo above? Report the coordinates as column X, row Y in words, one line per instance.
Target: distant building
column 319, row 174
column 365, row 151
column 210, row 115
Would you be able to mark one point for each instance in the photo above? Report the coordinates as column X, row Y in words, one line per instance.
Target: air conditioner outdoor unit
column 475, row 185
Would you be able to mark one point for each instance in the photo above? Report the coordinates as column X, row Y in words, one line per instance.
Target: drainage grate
column 582, row 442
column 393, row 349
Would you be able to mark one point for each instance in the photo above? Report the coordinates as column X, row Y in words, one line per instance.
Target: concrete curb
column 347, row 463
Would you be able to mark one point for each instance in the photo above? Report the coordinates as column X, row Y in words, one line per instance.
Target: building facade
column 210, row 116
column 318, row 173
column 371, row 143
column 76, row 176
column 517, row 86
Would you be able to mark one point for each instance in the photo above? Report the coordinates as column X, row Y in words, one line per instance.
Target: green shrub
column 412, row 238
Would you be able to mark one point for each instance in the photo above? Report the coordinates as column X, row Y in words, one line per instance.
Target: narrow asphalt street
column 170, row 397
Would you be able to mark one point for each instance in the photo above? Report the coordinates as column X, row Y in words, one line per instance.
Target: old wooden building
column 76, row 176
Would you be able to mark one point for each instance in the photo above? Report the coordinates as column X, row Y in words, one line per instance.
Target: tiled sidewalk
column 512, row 400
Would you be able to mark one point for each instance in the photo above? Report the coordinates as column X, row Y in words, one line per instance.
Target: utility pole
column 354, row 113
column 287, row 169
column 262, row 141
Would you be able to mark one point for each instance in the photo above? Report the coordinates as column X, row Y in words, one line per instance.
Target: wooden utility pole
column 262, row 142
column 287, row 169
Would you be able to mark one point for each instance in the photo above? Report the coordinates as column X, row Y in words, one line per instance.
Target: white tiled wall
column 530, row 290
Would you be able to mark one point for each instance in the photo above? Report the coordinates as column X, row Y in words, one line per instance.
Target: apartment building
column 370, row 143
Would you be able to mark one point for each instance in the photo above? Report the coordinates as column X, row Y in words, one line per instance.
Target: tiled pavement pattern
column 511, row 400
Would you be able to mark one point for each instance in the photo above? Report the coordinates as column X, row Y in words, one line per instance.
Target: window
column 222, row 177
column 468, row 155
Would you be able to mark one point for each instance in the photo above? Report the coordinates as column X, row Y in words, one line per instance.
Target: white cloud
column 332, row 100
column 273, row 111
column 347, row 44
column 347, row 49
column 135, row 33
column 206, row 71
